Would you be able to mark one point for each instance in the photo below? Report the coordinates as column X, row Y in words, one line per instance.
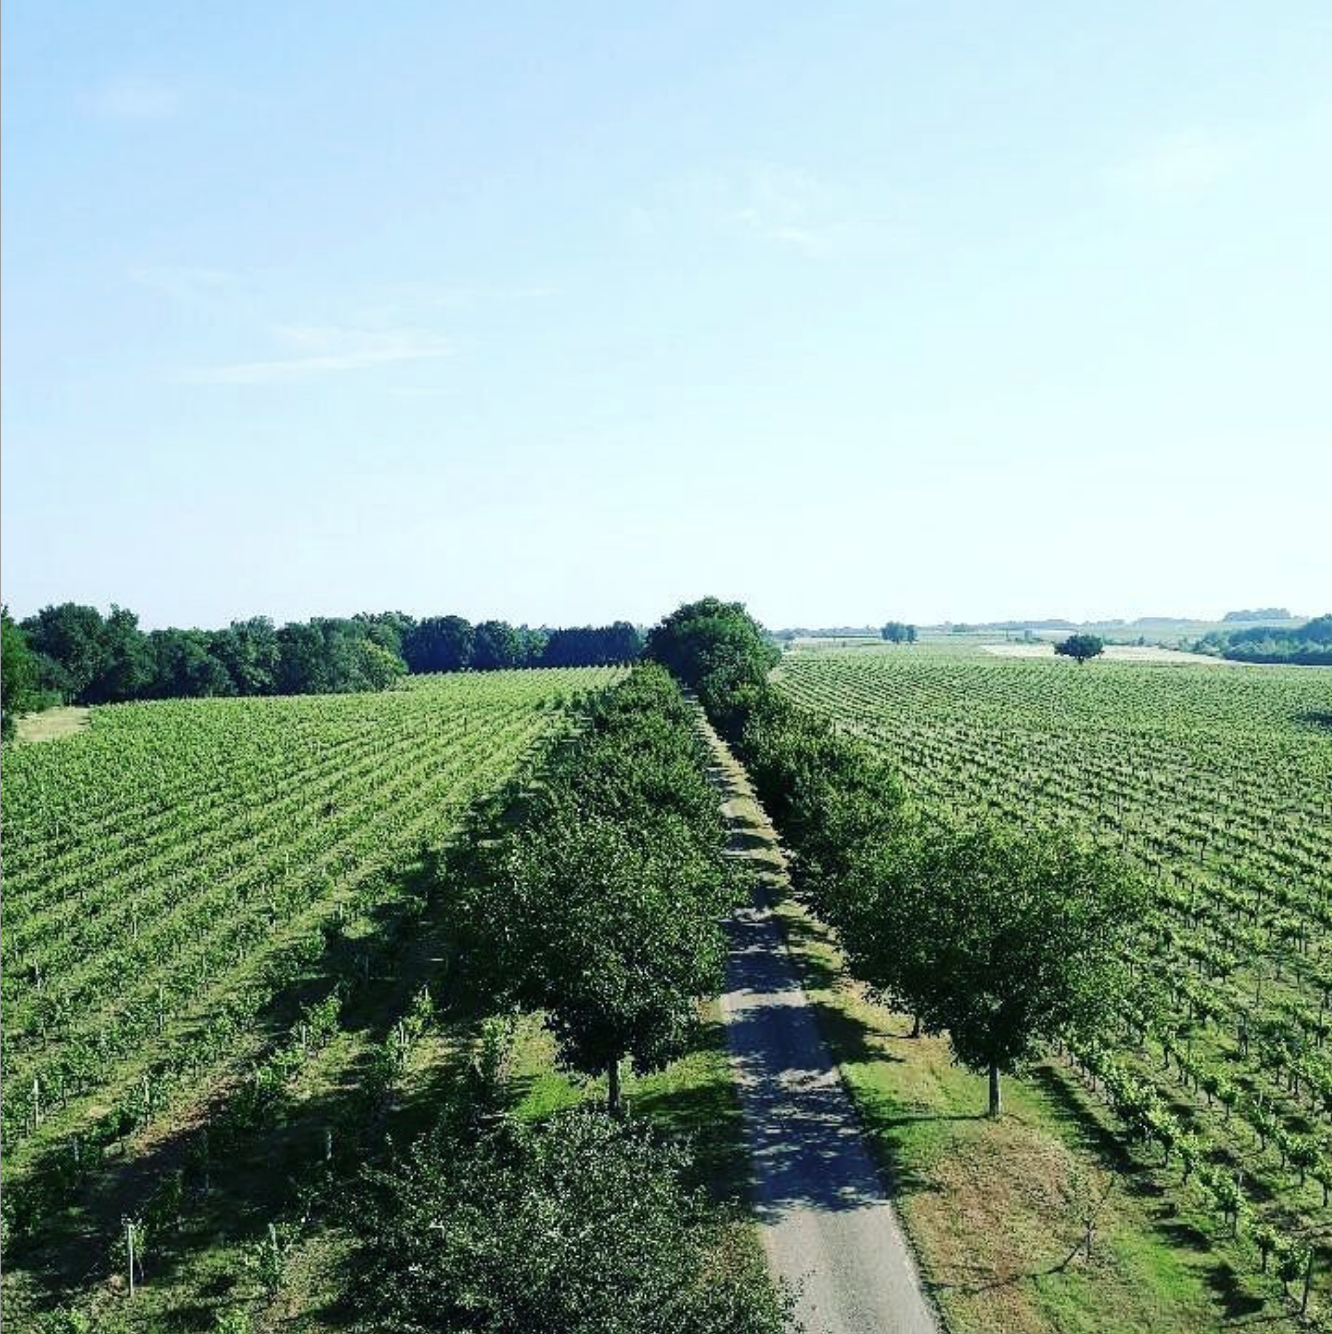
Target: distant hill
column 1259, row 614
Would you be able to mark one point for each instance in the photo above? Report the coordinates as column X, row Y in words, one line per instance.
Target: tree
column 1081, row 647
column 184, row 666
column 127, row 660
column 69, row 642
column 496, row 645
column 439, row 644
column 18, row 690
column 719, row 650
column 386, row 628
column 302, row 668
column 591, row 645
column 378, row 668
column 898, row 632
column 1001, row 939
column 87, row 659
column 830, row 794
column 577, row 1223
column 604, row 908
column 614, row 932
column 250, row 652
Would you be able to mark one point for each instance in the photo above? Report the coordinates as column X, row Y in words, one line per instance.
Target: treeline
column 1258, row 614
column 1002, row 938
column 595, row 901
column 75, row 654
column 1308, row 645
column 454, row 644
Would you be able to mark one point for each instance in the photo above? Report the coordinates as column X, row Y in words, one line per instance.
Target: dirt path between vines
column 826, row 1220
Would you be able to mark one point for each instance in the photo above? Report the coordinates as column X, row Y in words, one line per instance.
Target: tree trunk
column 915, row 1027
column 613, row 1087
column 996, row 1096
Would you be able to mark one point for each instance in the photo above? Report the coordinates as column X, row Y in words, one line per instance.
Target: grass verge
column 994, row 1210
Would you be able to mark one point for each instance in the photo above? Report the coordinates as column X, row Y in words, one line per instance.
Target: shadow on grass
column 1065, row 1101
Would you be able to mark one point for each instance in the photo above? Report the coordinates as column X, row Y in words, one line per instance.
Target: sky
column 563, row 313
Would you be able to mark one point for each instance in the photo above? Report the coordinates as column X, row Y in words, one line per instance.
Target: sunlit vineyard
column 174, row 869
column 1218, row 781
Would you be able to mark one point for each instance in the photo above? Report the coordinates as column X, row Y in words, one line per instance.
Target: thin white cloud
column 134, row 99
column 320, row 349
column 1182, row 163
column 784, row 206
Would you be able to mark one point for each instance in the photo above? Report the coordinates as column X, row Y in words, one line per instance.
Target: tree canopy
column 603, row 908
column 579, row 1223
column 1002, row 939
column 83, row 657
column 19, row 693
column 718, row 649
column 1080, row 647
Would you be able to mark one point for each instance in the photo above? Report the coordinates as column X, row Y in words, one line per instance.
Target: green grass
column 693, row 1100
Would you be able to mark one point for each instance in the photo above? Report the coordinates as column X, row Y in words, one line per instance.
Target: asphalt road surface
column 827, row 1223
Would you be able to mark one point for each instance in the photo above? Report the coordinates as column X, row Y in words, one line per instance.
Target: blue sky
column 562, row 313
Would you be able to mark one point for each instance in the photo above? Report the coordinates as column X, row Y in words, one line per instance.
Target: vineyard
column 1217, row 782
column 177, row 880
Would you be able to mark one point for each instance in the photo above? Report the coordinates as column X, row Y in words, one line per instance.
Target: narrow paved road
column 827, row 1224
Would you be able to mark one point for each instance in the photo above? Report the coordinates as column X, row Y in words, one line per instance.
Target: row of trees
column 597, row 901
column 603, row 909
column 74, row 653
column 82, row 657
column 454, row 644
column 899, row 632
column 1005, row 940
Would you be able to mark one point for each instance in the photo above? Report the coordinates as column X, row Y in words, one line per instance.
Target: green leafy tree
column 251, row 653
column 603, row 910
column 439, row 644
column 18, row 691
column 719, row 650
column 591, row 645
column 1081, row 648
column 829, row 794
column 185, row 666
column 302, row 668
column 578, row 1223
column 127, row 662
column 386, row 628
column 496, row 645
column 614, row 933
column 69, row 642
column 1004, row 940
column 379, row 667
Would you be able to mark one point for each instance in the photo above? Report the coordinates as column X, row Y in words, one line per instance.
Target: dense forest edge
column 72, row 654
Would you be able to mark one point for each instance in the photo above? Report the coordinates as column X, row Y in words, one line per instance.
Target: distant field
column 1219, row 783
column 195, row 892
column 1112, row 652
